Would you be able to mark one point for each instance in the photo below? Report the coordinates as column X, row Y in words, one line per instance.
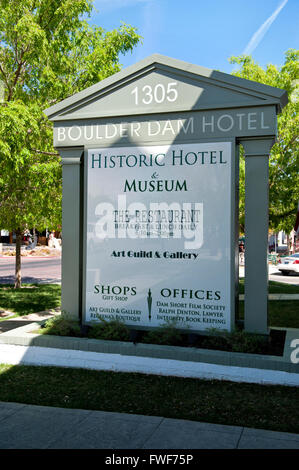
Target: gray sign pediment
column 159, row 84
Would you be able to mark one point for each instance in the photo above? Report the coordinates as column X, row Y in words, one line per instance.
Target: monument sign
column 150, row 196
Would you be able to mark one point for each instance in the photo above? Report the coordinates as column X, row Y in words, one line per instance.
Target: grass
column 30, row 298
column 284, row 313
column 33, row 298
column 221, row 402
column 281, row 313
column 275, row 287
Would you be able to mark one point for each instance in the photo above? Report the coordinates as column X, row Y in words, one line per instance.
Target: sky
column 206, row 33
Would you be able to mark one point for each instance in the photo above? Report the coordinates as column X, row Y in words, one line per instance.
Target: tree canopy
column 48, row 51
column 284, row 157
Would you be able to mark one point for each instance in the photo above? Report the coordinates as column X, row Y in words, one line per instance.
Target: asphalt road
column 278, row 277
column 34, row 270
column 275, row 275
column 46, row 270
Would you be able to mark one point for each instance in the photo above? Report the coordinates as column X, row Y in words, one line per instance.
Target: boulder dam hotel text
column 197, row 125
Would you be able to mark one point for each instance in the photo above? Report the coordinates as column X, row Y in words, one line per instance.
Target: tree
column 284, row 157
column 47, row 53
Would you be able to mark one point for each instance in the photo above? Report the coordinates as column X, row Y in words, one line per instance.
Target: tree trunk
column 288, row 244
column 18, row 278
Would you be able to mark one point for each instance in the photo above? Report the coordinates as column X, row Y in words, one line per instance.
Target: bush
column 248, row 342
column 110, row 330
column 165, row 334
column 62, row 326
column 236, row 341
column 168, row 334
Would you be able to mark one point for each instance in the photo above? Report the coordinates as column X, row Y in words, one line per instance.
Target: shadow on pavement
column 8, row 325
column 30, row 280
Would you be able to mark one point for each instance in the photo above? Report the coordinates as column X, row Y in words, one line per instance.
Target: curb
column 23, row 346
column 45, row 356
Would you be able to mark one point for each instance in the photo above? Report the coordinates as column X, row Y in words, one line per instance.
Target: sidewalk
column 277, row 296
column 38, row 427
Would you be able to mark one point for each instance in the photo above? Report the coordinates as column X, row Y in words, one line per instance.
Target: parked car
column 289, row 264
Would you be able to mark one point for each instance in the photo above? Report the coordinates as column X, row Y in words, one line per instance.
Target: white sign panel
column 159, row 235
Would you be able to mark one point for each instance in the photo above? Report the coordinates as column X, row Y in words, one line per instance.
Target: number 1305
column 155, row 94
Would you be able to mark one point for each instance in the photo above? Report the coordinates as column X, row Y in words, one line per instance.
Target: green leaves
column 47, row 53
column 284, row 158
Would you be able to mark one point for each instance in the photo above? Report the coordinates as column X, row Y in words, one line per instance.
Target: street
column 275, row 275
column 278, row 277
column 34, row 270
column 46, row 270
